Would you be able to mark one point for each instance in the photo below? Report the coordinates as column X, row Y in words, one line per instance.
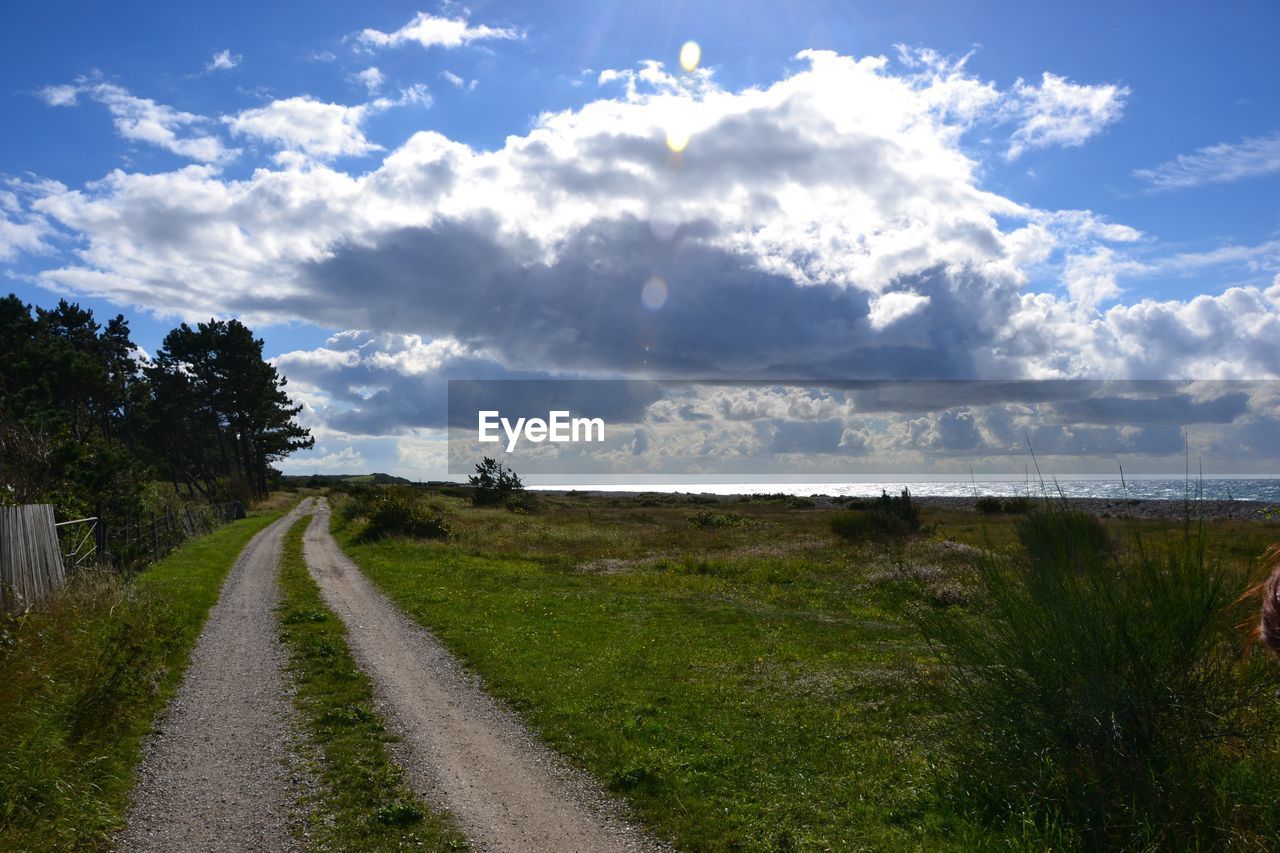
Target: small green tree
column 493, row 483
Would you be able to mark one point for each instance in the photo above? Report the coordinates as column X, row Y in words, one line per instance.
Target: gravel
column 461, row 749
column 220, row 771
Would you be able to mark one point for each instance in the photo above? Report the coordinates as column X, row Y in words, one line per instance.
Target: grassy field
column 81, row 680
column 362, row 802
column 744, row 678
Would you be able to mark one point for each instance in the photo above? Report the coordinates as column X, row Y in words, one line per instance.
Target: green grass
column 1107, row 696
column 741, row 694
column 362, row 802
column 82, row 678
column 758, row 686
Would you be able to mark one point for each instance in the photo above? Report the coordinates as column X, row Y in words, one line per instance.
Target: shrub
column 521, row 502
column 710, row 519
column 400, row 512
column 1106, row 696
column 1065, row 537
column 991, row 505
column 493, row 483
column 889, row 516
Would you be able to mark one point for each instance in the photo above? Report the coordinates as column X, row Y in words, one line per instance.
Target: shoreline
column 1145, row 508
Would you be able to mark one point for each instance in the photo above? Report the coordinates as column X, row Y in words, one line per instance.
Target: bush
column 991, row 505
column 400, row 512
column 1065, row 537
column 709, row 519
column 889, row 516
column 522, row 502
column 1106, row 697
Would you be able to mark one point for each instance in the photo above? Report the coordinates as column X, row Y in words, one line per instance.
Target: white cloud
column 833, row 221
column 311, row 128
column 889, row 308
column 348, row 460
column 434, row 31
column 1059, row 112
column 1091, row 279
column 1217, row 164
column 371, row 78
column 143, row 120
column 223, row 60
column 20, row 232
column 305, row 125
column 60, row 96
column 458, row 82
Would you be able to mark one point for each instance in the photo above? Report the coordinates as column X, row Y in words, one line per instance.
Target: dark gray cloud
column 723, row 316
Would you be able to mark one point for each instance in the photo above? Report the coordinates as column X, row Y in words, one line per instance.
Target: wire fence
column 136, row 539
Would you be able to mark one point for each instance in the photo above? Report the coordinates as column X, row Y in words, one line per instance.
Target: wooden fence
column 36, row 557
column 30, row 555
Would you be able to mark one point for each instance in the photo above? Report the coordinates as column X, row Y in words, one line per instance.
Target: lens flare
column 654, row 293
column 677, row 138
column 690, row 55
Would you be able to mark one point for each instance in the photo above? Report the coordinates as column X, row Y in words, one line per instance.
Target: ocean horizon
column 1150, row 488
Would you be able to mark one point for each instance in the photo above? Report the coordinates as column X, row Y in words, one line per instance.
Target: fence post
column 30, row 555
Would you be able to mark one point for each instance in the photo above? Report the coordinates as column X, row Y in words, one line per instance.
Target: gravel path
column 462, row 750
column 216, row 774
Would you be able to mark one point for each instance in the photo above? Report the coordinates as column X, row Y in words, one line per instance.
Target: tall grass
column 81, row 678
column 1103, row 694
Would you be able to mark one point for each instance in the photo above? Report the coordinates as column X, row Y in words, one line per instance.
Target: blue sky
column 1071, row 190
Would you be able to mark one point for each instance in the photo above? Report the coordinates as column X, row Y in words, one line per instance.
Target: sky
column 394, row 195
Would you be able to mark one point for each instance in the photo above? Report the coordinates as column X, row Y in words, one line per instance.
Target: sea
column 1222, row 488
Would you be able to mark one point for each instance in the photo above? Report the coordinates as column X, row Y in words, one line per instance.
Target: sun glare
column 677, row 138
column 690, row 55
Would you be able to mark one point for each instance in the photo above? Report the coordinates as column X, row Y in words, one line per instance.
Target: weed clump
column 991, row 505
column 1064, row 537
column 888, row 517
column 1104, row 695
column 709, row 519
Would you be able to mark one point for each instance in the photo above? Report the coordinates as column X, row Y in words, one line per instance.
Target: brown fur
column 1267, row 629
column 1269, row 624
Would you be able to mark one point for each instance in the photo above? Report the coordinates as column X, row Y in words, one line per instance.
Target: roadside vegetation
column 90, row 426
column 1104, row 695
column 767, row 674
column 362, row 801
column 83, row 675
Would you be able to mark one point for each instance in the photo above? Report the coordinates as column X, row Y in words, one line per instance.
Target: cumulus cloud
column 143, row 120
column 1060, row 112
column 307, row 126
column 223, row 60
column 831, row 224
column 436, row 31
column 371, row 78
column 20, row 232
column 890, row 427
column 348, row 460
column 1217, row 164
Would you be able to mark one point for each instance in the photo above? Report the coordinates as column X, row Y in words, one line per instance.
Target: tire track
column 505, row 789
column 216, row 773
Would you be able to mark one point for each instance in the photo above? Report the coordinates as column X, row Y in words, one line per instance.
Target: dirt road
column 504, row 788
column 216, row 775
